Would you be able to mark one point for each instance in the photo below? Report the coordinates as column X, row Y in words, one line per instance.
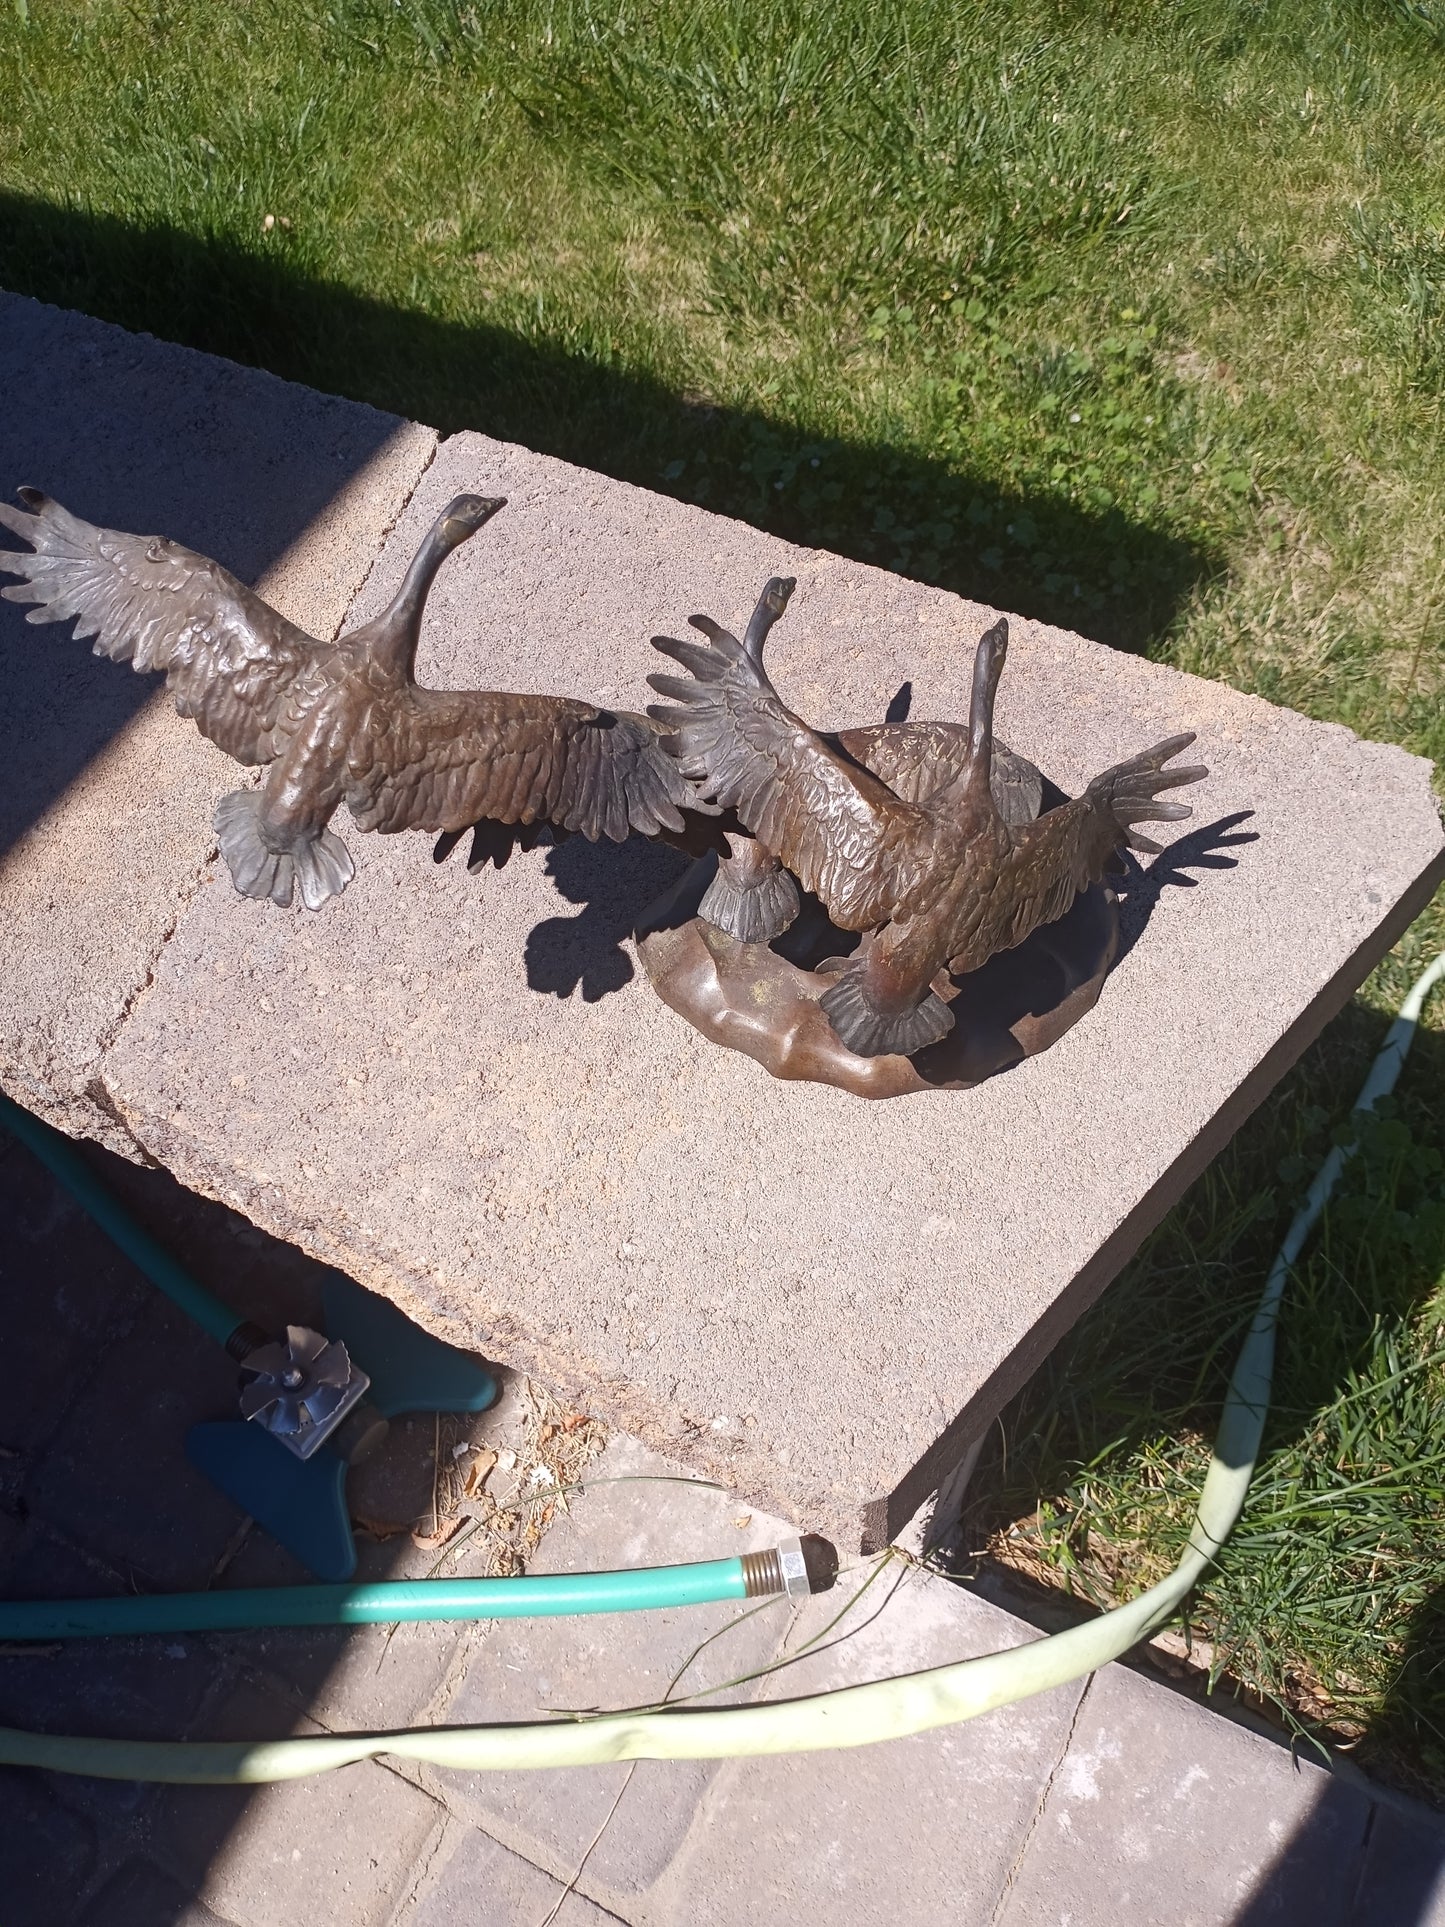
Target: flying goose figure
column 341, row 721
column 936, row 882
column 751, row 895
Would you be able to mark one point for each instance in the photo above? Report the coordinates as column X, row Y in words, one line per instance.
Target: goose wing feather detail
column 919, row 761
column 446, row 759
column 840, row 830
column 1069, row 849
column 231, row 662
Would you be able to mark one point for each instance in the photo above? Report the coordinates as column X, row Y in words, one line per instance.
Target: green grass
column 1330, row 1601
column 1127, row 315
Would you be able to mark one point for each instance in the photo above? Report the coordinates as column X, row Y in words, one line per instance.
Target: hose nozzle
column 797, row 1567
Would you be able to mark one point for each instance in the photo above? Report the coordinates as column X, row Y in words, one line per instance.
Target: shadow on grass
column 1038, row 556
column 1335, row 1565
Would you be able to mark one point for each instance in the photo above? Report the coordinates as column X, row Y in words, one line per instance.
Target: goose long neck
column 399, row 630
column 987, row 668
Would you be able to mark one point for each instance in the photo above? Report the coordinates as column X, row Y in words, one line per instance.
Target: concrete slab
column 106, row 802
column 1163, row 1813
column 816, row 1300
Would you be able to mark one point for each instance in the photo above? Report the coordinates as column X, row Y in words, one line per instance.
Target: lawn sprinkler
column 308, row 1409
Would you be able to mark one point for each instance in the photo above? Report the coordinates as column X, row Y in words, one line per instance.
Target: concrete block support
column 463, row 1091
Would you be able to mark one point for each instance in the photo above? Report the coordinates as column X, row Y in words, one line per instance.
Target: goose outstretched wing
column 919, row 760
column 446, row 759
column 840, row 830
column 1069, row 849
column 230, row 660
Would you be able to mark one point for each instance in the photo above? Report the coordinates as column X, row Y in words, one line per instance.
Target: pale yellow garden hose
column 850, row 1716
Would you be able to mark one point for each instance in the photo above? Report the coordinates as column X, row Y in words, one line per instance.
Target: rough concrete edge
column 885, row 1517
column 753, row 1475
column 116, row 1132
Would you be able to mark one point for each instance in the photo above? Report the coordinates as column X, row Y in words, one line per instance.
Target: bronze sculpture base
column 763, row 998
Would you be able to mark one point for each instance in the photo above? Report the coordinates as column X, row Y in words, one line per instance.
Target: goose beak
column 463, row 516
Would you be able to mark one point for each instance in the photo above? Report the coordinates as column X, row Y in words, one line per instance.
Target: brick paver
column 1122, row 1804
column 481, row 1882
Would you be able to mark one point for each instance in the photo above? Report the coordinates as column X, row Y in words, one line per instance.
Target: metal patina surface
column 341, row 721
column 928, row 840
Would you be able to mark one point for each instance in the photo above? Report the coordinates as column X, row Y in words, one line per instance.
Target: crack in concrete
column 401, row 508
column 416, row 1888
column 95, row 1088
column 1016, row 1864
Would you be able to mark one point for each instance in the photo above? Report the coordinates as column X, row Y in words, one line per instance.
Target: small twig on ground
column 232, row 1546
column 436, row 1454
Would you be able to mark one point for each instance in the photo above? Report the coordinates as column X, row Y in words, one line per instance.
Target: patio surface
column 1118, row 1800
column 464, row 1094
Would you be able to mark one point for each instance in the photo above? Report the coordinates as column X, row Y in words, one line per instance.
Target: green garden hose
column 61, row 1158
column 791, row 1567
column 850, row 1716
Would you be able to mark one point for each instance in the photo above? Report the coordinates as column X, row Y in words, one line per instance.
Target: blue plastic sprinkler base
column 302, row 1502
column 410, row 1371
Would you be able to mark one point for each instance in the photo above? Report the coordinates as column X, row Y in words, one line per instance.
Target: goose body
column 752, row 897
column 932, row 868
column 341, row 721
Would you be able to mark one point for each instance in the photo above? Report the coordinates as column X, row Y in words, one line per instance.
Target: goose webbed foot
column 871, row 1032
column 752, row 897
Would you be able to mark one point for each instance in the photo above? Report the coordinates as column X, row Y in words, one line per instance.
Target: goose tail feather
column 877, row 1033
column 750, row 905
column 319, row 864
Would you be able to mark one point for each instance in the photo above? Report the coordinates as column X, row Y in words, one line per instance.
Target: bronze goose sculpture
column 341, row 721
column 937, row 881
column 752, row 897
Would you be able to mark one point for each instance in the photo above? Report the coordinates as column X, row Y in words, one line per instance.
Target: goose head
column 462, row 517
column 392, row 641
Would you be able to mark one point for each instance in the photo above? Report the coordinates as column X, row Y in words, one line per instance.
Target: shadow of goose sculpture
column 341, row 721
column 937, row 880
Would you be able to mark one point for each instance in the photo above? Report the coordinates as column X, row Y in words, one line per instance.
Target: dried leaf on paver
column 477, row 1472
column 496, row 1505
column 496, row 1502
